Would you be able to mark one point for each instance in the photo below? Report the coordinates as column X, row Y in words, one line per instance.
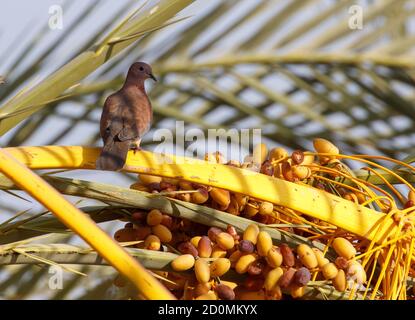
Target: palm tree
column 297, row 69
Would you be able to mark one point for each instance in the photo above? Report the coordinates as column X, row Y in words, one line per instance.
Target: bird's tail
column 113, row 156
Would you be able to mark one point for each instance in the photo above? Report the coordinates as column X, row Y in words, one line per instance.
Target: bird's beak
column 152, row 77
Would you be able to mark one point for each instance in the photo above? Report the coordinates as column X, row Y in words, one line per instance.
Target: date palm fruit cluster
column 225, row 264
column 266, row 270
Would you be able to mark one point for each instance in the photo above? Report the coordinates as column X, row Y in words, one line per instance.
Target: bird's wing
column 136, row 117
column 129, row 129
column 111, row 119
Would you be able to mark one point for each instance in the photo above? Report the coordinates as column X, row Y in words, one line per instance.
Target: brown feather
column 126, row 117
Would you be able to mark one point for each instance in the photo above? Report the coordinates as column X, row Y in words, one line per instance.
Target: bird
column 126, row 117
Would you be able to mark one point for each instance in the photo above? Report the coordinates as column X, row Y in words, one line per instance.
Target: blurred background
column 296, row 69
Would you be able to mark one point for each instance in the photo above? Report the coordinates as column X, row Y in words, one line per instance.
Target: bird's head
column 140, row 71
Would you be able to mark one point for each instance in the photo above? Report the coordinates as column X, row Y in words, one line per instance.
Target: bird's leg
column 135, row 146
column 135, row 149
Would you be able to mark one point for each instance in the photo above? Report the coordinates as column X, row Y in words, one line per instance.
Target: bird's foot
column 135, row 149
column 135, row 146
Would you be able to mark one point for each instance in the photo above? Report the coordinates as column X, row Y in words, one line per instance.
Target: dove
column 126, row 117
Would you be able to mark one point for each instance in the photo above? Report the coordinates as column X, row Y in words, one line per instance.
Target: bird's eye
column 141, row 68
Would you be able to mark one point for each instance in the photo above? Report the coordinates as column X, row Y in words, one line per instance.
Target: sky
column 20, row 20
